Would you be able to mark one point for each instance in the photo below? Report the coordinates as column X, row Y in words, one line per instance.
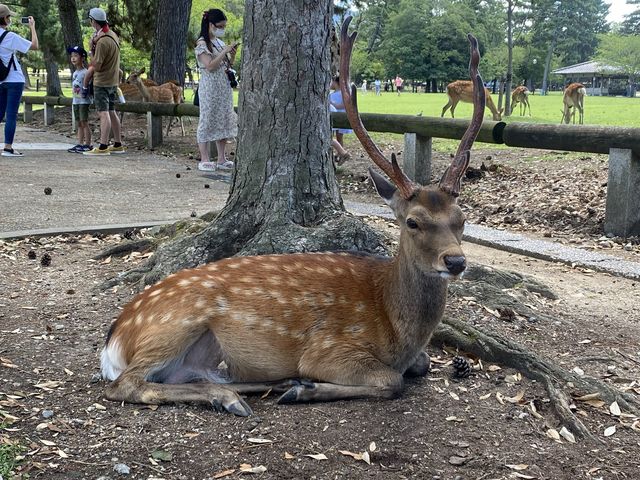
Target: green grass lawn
column 612, row 111
column 548, row 109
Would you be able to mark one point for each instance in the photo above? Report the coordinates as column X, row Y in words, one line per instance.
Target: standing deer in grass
column 168, row 92
column 463, row 91
column 313, row 326
column 573, row 99
column 520, row 95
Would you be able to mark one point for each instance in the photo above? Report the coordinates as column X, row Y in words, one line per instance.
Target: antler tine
column 450, row 181
column 350, row 99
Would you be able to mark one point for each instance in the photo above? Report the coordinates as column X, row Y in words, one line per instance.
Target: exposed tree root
column 127, row 247
column 232, row 235
column 497, row 349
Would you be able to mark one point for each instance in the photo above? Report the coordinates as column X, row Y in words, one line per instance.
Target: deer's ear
column 384, row 188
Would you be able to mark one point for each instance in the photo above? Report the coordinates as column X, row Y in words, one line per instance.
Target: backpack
column 5, row 69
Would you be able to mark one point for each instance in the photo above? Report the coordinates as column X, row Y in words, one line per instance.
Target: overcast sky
column 618, row 9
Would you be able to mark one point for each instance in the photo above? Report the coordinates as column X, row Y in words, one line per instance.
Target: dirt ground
column 495, row 424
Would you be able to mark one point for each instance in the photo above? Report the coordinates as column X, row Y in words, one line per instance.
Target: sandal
column 227, row 165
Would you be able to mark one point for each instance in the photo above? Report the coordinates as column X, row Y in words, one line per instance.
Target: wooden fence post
column 154, row 130
column 622, row 214
column 28, row 112
column 416, row 158
column 48, row 114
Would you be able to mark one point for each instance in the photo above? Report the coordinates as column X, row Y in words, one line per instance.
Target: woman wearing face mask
column 218, row 121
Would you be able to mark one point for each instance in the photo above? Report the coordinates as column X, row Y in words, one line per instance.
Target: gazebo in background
column 598, row 79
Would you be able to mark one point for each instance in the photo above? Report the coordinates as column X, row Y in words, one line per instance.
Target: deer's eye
column 411, row 223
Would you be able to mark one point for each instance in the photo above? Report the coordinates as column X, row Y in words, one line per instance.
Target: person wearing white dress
column 218, row 121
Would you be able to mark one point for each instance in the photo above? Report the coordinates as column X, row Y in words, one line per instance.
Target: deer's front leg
column 345, row 379
column 420, row 367
column 133, row 389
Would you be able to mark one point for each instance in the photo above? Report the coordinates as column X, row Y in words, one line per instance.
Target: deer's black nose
column 455, row 264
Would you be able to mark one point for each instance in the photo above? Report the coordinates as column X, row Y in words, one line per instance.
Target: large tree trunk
column 284, row 195
column 71, row 31
column 507, row 100
column 169, row 56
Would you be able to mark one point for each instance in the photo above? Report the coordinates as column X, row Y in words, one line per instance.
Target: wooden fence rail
column 622, row 216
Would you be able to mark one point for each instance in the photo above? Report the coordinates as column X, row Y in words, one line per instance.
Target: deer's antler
column 450, row 181
column 349, row 97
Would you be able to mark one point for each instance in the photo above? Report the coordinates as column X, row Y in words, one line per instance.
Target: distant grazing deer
column 573, row 99
column 462, row 91
column 313, row 326
column 168, row 92
column 520, row 95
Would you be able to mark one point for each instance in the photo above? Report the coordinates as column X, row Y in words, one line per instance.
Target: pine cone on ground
column 461, row 367
column 45, row 261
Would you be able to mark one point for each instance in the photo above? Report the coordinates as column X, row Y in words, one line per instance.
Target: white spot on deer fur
column 185, row 282
column 223, row 305
column 282, row 330
column 233, row 265
column 156, row 292
column 139, row 319
column 112, row 362
column 328, row 344
column 200, row 303
column 267, row 323
column 237, row 290
column 208, row 284
column 212, row 267
column 137, row 304
column 195, row 279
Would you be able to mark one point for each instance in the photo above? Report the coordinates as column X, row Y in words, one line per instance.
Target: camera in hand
column 24, row 20
column 231, row 75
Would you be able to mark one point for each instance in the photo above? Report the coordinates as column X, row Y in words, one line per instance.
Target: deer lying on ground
column 462, row 91
column 167, row 92
column 520, row 95
column 313, row 326
column 573, row 99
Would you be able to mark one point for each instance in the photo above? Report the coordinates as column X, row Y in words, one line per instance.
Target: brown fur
column 354, row 323
column 168, row 92
column 520, row 95
column 462, row 91
column 573, row 99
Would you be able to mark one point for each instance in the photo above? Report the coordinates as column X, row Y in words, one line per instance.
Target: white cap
column 98, row 14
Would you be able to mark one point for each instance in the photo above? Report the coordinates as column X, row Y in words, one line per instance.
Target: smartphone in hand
column 24, row 20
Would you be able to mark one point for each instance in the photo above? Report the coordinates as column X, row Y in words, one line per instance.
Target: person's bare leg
column 204, row 151
column 105, row 127
column 338, row 148
column 115, row 126
column 221, row 147
column 340, row 138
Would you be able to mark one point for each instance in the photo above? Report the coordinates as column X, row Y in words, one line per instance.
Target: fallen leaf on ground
column 259, row 440
column 224, row 473
column 567, row 435
column 317, row 456
column 614, row 408
column 519, row 466
column 609, row 431
column 247, row 468
column 364, row 456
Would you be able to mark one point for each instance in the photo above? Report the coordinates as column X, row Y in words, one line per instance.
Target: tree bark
column 507, row 100
column 284, row 195
column 71, row 31
column 53, row 79
column 169, row 57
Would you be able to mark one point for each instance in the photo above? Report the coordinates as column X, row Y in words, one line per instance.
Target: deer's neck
column 415, row 303
column 491, row 106
column 144, row 91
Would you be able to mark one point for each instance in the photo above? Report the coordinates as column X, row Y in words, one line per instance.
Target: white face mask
column 218, row 32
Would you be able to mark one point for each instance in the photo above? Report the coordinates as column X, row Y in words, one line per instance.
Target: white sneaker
column 207, row 166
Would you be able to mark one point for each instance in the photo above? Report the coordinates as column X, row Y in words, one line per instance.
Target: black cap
column 77, row 49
